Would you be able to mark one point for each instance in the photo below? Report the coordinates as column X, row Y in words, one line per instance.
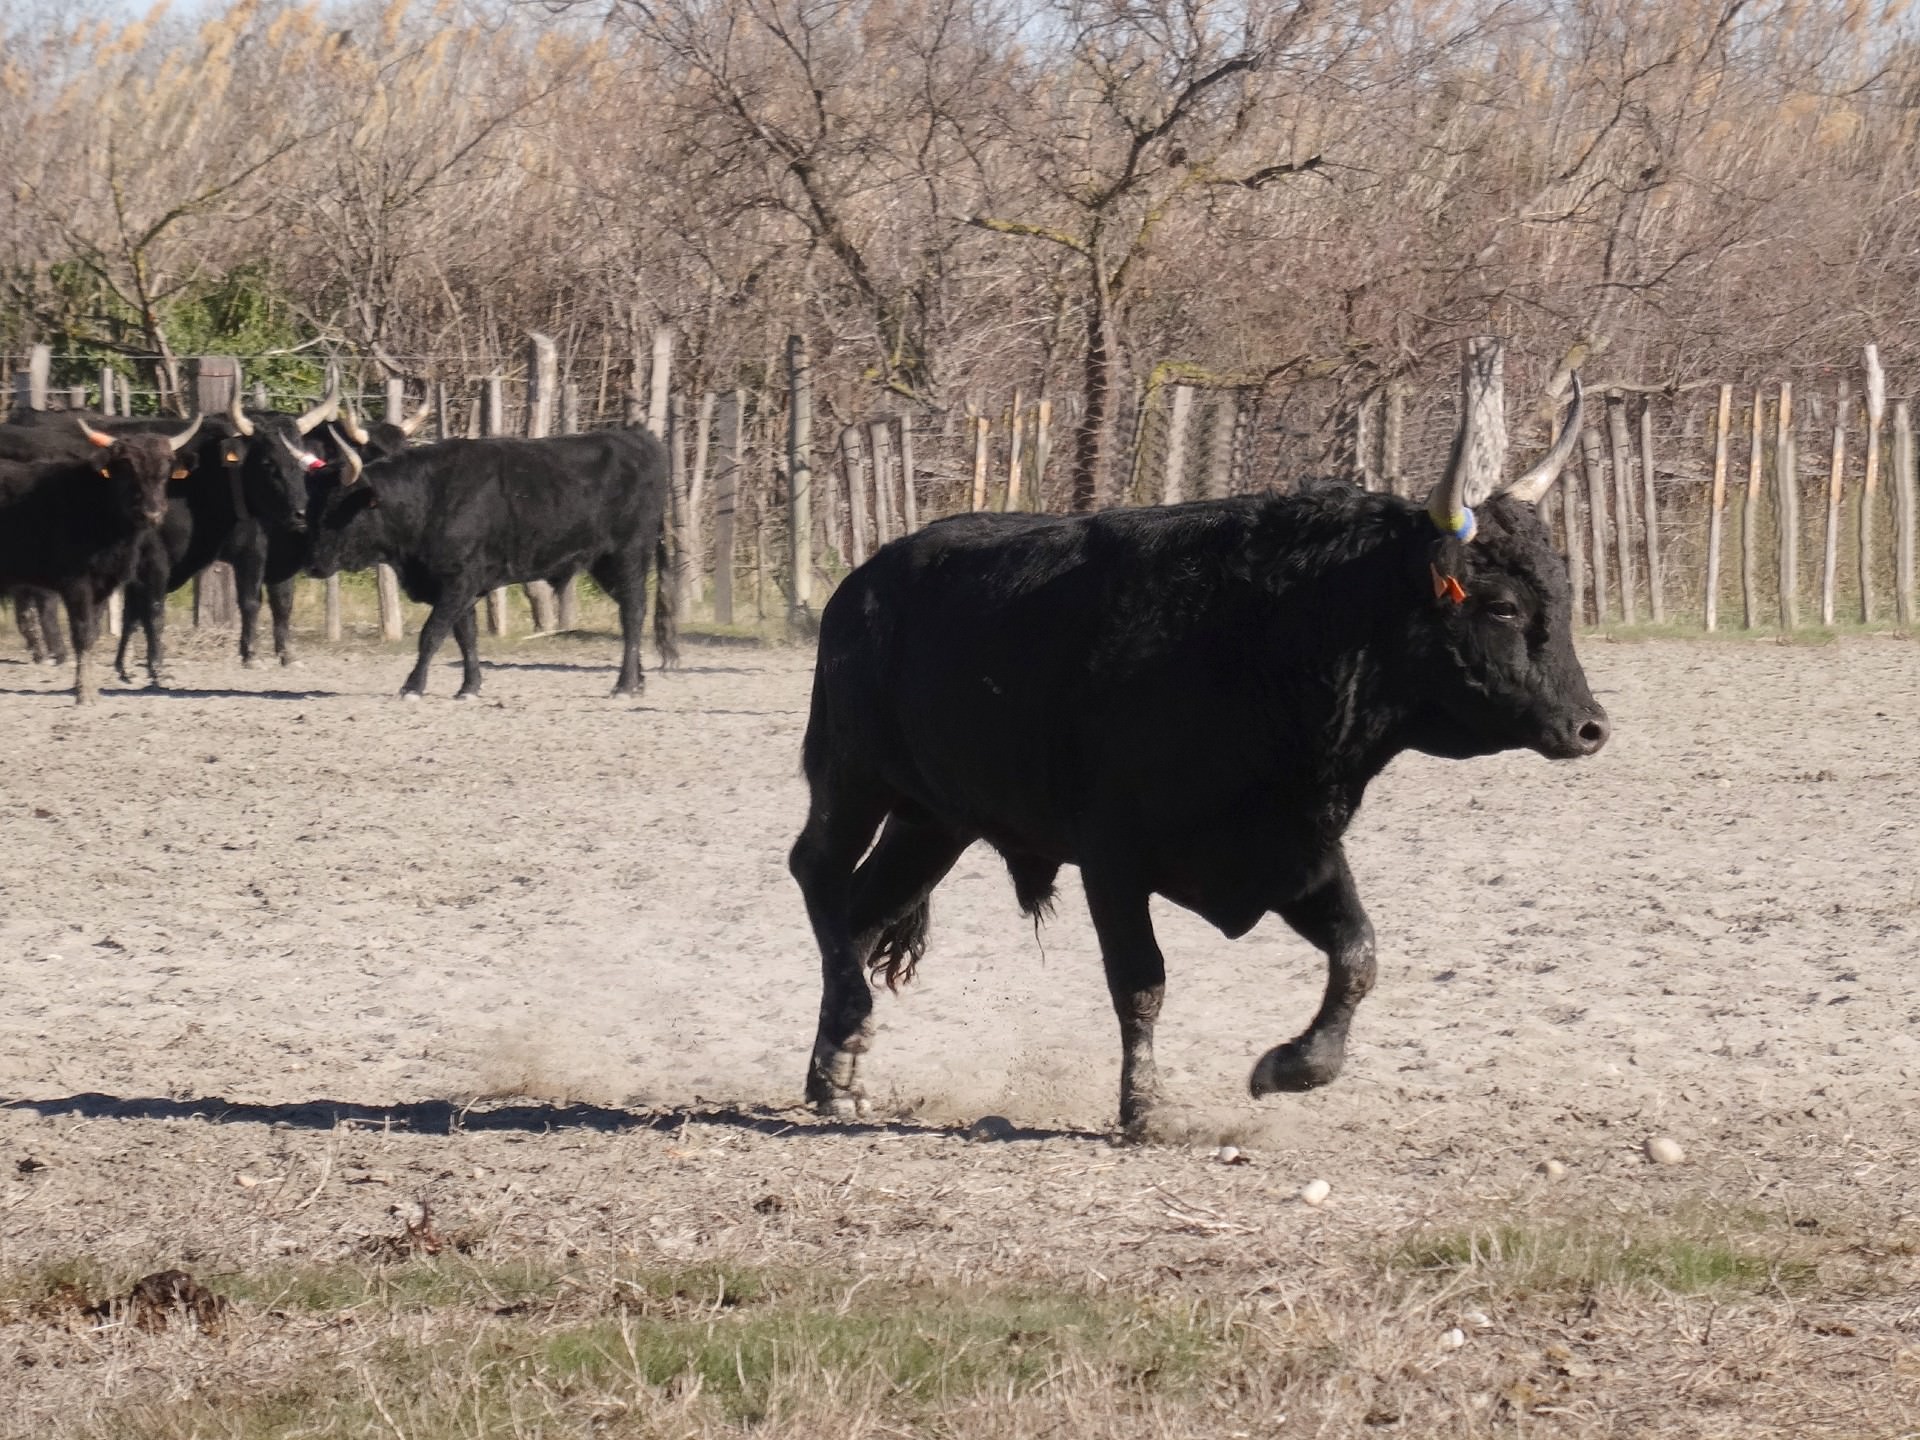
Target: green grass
column 1585, row 1254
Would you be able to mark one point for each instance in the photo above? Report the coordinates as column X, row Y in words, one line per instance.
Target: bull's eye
column 1503, row 610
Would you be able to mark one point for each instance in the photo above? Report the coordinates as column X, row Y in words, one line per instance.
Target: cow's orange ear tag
column 1446, row 586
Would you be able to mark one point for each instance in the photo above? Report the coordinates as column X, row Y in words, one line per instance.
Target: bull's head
column 1497, row 623
column 138, row 466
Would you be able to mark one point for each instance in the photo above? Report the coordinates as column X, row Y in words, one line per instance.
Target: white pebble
column 1552, row 1169
column 1230, row 1155
column 1454, row 1338
column 1477, row 1320
column 1315, row 1192
column 1664, row 1151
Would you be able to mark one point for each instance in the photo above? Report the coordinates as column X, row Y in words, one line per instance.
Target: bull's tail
column 897, row 953
column 666, row 631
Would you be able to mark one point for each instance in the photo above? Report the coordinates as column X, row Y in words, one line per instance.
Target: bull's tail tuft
column 666, row 631
column 896, row 955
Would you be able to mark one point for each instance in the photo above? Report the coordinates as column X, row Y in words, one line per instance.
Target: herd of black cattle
column 1186, row 701
column 90, row 504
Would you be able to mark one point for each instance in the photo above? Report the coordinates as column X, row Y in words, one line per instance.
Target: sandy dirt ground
column 538, row 956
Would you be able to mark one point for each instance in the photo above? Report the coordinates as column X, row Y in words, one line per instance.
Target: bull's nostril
column 1593, row 734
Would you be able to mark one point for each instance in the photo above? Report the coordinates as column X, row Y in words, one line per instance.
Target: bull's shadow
column 444, row 1117
column 147, row 692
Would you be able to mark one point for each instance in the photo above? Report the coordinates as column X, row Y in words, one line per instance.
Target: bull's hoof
column 412, row 696
column 246, row 662
column 1303, row 1064
column 287, row 660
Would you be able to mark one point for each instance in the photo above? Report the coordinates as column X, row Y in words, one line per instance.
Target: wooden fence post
column 1750, row 520
column 494, row 422
column 854, row 471
column 1650, row 513
column 39, row 372
column 1836, row 471
column 910, row 495
column 1620, row 454
column 1015, row 429
column 658, row 377
column 106, row 390
column 800, row 480
column 216, row 600
column 1869, row 498
column 726, row 493
column 543, row 384
column 880, row 445
column 671, row 582
column 1173, row 487
column 1576, row 549
column 1716, row 505
column 567, row 602
column 1786, row 479
column 1042, row 440
column 1903, row 512
column 981, row 436
column 1597, row 519
column 693, row 561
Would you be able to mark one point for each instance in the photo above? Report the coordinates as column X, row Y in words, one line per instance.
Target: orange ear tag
column 1446, row 585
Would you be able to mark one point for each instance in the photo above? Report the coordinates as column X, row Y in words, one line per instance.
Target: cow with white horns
column 1187, row 701
column 74, row 527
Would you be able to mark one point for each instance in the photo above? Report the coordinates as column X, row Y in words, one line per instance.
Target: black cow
column 74, row 526
column 248, row 487
column 1186, row 701
column 462, row 517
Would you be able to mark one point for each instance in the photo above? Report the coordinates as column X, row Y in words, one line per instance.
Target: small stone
column 1662, row 1150
column 1315, row 1192
column 1552, row 1169
column 1453, row 1339
column 991, row 1127
column 1230, row 1155
column 245, row 1181
column 1477, row 1320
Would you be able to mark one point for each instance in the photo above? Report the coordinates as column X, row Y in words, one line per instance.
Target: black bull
column 1187, row 701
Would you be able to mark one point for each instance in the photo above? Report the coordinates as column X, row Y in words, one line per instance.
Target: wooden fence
column 1759, row 507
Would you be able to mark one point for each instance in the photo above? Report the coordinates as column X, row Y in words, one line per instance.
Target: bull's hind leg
column 888, row 912
column 1137, row 981
column 840, row 824
column 626, row 582
column 1331, row 917
column 466, row 634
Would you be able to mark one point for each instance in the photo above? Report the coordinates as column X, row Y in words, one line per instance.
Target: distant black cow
column 74, row 526
column 248, row 487
column 1186, row 701
column 463, row 517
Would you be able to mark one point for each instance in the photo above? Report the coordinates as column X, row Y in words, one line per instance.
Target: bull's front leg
column 280, row 603
column 249, row 569
column 1329, row 916
column 82, row 623
column 1137, row 982
column 433, row 634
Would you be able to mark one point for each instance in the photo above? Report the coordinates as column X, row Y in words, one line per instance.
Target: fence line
column 1642, row 514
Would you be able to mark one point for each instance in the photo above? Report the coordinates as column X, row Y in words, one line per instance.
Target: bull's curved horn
column 327, row 409
column 350, row 457
column 1533, row 485
column 350, row 423
column 410, row 426
column 177, row 443
column 238, row 417
column 1479, row 457
column 98, row 437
